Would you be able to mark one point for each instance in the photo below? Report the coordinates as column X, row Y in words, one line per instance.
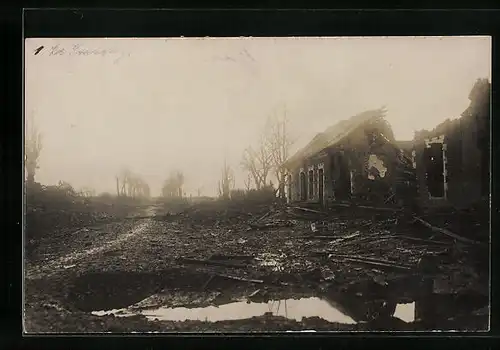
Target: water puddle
column 289, row 308
column 115, row 312
column 405, row 312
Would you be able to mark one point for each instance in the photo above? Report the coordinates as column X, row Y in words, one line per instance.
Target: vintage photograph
column 256, row 184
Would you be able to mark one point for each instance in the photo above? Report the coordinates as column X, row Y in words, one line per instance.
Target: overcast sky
column 155, row 105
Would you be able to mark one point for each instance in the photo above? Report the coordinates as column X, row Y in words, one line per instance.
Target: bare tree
column 124, row 177
column 273, row 151
column 226, row 182
column 248, row 182
column 179, row 182
column 66, row 187
column 131, row 185
column 32, row 149
column 117, row 178
column 279, row 142
column 258, row 163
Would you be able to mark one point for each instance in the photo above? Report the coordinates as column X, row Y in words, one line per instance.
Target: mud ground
column 217, row 253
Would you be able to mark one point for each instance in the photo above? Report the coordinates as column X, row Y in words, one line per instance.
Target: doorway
column 311, row 184
column 344, row 183
column 303, row 195
column 320, row 185
column 434, row 167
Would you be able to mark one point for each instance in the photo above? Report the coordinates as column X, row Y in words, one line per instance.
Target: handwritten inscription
column 37, row 51
column 82, row 51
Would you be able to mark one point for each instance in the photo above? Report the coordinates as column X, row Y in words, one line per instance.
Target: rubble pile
column 294, row 243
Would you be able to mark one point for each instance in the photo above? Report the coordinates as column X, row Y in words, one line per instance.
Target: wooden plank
column 310, row 210
column 445, row 231
column 236, row 278
column 211, row 262
column 367, row 259
column 374, row 263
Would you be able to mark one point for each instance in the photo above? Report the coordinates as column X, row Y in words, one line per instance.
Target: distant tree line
column 131, row 185
column 172, row 186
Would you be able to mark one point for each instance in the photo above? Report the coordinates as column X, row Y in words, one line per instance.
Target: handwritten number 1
column 37, row 51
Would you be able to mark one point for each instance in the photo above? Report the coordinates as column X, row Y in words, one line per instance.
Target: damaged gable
column 361, row 163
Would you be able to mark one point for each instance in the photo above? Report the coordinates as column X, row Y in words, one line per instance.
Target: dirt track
column 116, row 265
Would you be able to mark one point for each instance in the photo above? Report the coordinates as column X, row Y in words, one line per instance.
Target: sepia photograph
column 256, row 184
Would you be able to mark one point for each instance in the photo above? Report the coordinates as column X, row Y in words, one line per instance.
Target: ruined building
column 356, row 160
column 452, row 160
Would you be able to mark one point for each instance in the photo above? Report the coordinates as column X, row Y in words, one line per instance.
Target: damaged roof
column 335, row 133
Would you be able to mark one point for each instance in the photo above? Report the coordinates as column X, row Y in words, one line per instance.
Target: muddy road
column 219, row 268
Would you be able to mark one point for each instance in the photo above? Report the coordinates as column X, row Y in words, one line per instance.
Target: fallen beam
column 445, row 231
column 332, row 238
column 205, row 285
column 262, row 217
column 254, row 293
column 367, row 259
column 269, row 225
column 377, row 208
column 373, row 263
column 236, row 278
column 211, row 262
column 310, row 210
column 354, row 206
column 430, row 241
column 372, row 238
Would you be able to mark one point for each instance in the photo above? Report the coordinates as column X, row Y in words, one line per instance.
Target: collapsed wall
column 452, row 160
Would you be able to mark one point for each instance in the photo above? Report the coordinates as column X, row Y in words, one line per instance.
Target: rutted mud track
column 100, row 247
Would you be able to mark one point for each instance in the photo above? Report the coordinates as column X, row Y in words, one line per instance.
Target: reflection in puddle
column 405, row 312
column 290, row 308
column 115, row 312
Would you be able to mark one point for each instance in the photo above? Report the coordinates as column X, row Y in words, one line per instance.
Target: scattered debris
column 346, row 251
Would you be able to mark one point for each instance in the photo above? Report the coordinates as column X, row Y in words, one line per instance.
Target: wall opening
column 321, row 179
column 376, row 167
column 303, row 186
column 311, row 184
column 343, row 188
column 435, row 169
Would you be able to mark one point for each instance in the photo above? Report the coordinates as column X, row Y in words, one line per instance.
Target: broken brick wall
column 466, row 143
column 382, row 175
column 462, row 166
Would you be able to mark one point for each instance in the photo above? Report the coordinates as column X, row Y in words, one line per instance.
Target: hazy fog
column 155, row 105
